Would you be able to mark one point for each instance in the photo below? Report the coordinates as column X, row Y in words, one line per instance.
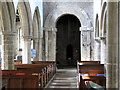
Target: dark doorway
column 69, row 52
column 68, row 40
column 69, row 56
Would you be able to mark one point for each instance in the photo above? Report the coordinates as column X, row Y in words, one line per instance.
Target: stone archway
column 55, row 14
column 68, row 41
column 8, row 35
column 50, row 26
column 102, row 20
column 26, row 26
column 103, row 33
column 37, row 38
column 97, row 39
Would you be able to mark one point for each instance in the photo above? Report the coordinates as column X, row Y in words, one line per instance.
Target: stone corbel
column 47, row 29
column 27, row 37
column 35, row 38
column 9, row 34
column 85, row 29
column 54, row 29
column 102, row 38
column 50, row 29
column 97, row 38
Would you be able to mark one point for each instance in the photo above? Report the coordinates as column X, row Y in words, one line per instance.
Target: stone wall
column 85, row 16
column 119, row 45
column 86, row 6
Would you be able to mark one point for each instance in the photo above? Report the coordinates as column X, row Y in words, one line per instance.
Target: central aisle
column 64, row 78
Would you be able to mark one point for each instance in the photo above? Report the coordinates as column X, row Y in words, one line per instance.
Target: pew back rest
column 30, row 66
column 27, row 81
column 100, row 80
column 91, row 69
column 38, row 62
column 20, row 72
column 88, row 62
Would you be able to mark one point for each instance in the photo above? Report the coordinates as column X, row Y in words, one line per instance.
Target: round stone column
column 46, row 44
column 7, row 51
column 112, row 79
column 26, row 57
column 52, row 44
column 103, row 50
column 97, row 49
column 40, row 49
column 36, row 47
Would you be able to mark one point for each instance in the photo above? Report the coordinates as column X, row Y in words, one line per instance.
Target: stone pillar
column 8, row 51
column 103, row 50
column 40, row 49
column 85, row 43
column 26, row 57
column 16, row 45
column 52, row 44
column 46, row 45
column 97, row 49
column 36, row 47
column 119, row 46
column 112, row 80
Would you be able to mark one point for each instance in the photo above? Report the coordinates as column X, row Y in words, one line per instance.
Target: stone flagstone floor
column 65, row 78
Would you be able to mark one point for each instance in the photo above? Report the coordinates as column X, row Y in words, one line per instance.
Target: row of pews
column 35, row 75
column 91, row 75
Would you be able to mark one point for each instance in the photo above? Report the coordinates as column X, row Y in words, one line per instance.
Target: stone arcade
column 62, row 33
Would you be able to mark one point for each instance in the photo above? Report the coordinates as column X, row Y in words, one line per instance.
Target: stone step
column 61, row 87
column 63, row 84
column 65, row 78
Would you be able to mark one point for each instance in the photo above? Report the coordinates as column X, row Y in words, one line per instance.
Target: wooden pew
column 30, row 69
column 4, row 84
column 93, row 69
column 88, row 62
column 21, row 81
column 85, row 63
column 100, row 80
column 51, row 68
column 34, row 67
column 53, row 63
column 25, row 72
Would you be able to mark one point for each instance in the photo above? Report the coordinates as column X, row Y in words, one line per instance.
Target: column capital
column 9, row 33
column 27, row 37
column 35, row 38
column 97, row 38
column 50, row 29
column 85, row 29
column 102, row 38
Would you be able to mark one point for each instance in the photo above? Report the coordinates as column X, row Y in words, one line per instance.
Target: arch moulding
column 55, row 14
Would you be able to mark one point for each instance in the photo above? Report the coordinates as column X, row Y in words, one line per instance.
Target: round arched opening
column 68, row 41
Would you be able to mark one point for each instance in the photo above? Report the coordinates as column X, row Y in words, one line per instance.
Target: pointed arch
column 102, row 18
column 35, row 26
column 97, row 26
column 8, row 34
column 25, row 18
column 8, row 17
column 37, row 23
